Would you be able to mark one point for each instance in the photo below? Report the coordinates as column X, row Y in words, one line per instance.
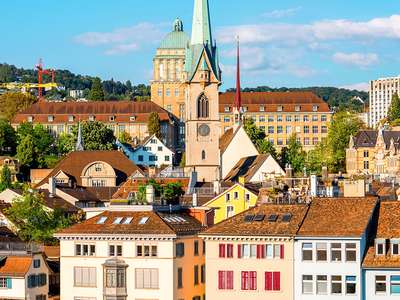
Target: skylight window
column 127, row 221
column 286, row 218
column 102, row 220
column 118, row 220
column 273, row 218
column 143, row 220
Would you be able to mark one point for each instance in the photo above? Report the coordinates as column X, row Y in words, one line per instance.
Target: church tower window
column 202, row 107
column 203, row 155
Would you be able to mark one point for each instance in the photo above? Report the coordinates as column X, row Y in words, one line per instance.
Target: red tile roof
column 271, row 100
column 122, row 110
column 237, row 225
column 338, row 217
column 15, row 266
column 74, row 163
column 156, row 224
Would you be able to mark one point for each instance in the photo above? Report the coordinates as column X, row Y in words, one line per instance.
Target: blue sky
column 284, row 43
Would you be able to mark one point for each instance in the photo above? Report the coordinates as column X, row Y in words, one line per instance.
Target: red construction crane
column 42, row 71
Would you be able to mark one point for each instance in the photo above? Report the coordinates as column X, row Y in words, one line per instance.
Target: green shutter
column 9, row 283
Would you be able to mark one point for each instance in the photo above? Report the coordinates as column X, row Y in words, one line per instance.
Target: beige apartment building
column 168, row 84
column 250, row 256
column 281, row 115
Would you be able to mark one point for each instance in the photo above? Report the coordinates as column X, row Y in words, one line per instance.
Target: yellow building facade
column 168, row 84
column 233, row 201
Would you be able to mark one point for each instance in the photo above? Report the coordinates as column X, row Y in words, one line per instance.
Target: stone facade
column 374, row 153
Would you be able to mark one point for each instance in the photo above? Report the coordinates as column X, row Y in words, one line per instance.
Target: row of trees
column 330, row 152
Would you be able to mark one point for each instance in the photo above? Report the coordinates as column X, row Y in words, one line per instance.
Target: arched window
column 202, row 107
column 203, row 155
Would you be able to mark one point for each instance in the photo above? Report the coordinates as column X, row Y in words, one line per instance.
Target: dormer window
column 245, row 108
column 227, row 108
column 71, row 118
column 92, row 118
column 262, row 108
column 280, row 108
column 30, row 119
column 380, row 246
column 132, row 118
column 112, row 118
column 315, row 108
column 50, row 118
column 395, row 246
column 297, row 108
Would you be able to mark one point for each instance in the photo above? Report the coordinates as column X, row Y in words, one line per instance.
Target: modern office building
column 381, row 92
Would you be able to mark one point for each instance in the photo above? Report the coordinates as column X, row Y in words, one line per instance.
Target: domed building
column 167, row 86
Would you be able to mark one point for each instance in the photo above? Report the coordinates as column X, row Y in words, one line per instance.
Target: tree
column 124, row 138
column 96, row 136
column 266, row 147
column 35, row 222
column 12, row 103
column 317, row 158
column 153, row 125
column 344, row 124
column 8, row 139
column 293, row 154
column 172, row 191
column 394, row 110
column 65, row 143
column 26, row 152
column 96, row 92
column 5, row 178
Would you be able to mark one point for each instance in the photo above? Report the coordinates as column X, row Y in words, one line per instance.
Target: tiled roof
column 7, row 236
column 388, row 227
column 55, row 202
column 74, row 163
column 238, row 226
column 226, row 139
column 132, row 185
column 156, row 224
column 15, row 266
column 80, row 193
column 338, row 217
column 272, row 100
column 246, row 167
column 368, row 138
column 102, row 111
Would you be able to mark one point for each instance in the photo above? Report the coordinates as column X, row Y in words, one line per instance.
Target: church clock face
column 204, row 130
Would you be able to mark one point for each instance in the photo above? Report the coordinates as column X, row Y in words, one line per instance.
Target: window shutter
column 253, row 280
column 243, row 281
column 268, row 281
column 258, row 251
column 230, row 280
column 220, row 280
column 277, row 281
column 239, row 254
column 221, row 250
column 9, row 283
column 262, row 251
column 282, row 251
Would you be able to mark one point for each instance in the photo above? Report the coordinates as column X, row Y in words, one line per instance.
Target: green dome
column 177, row 39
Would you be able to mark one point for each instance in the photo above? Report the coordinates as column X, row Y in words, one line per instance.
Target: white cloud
column 122, row 40
column 362, row 86
column 326, row 30
column 281, row 13
column 361, row 60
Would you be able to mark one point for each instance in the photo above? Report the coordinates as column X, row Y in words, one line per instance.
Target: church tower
column 203, row 78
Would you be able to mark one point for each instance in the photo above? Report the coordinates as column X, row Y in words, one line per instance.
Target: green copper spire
column 201, row 28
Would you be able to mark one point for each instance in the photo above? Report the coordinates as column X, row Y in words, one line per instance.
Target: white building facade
column 381, row 92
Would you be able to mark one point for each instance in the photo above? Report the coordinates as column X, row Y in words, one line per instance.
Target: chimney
column 217, row 187
column 242, row 180
column 289, row 175
column 52, row 187
column 150, row 194
column 194, row 199
column 313, row 183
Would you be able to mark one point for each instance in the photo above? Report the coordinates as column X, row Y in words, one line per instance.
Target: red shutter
column 229, row 283
column 245, row 280
column 253, row 281
column 277, row 281
column 221, row 250
column 239, row 254
column 258, row 251
column 268, row 281
column 262, row 251
column 220, row 280
column 282, row 251
column 229, row 250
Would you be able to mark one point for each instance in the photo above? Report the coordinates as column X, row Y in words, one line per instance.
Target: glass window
column 307, row 129
column 380, row 249
column 270, row 251
column 395, row 284
column 297, row 118
column 146, row 278
column 305, row 118
column 245, row 251
column 322, row 252
column 322, row 284
column 180, row 278
column 351, row 254
column 288, row 118
column 277, row 251
column 288, row 129
column 280, row 129
column 307, row 284
column 262, row 108
column 351, row 285
column 270, row 118
column 180, row 249
column 336, row 252
column 253, row 251
column 315, row 118
column 336, row 285
column 315, row 129
column 395, row 247
column 307, row 252
column 279, row 118
column 261, row 118
column 380, row 284
column 323, row 118
column 324, row 129
column 270, row 129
